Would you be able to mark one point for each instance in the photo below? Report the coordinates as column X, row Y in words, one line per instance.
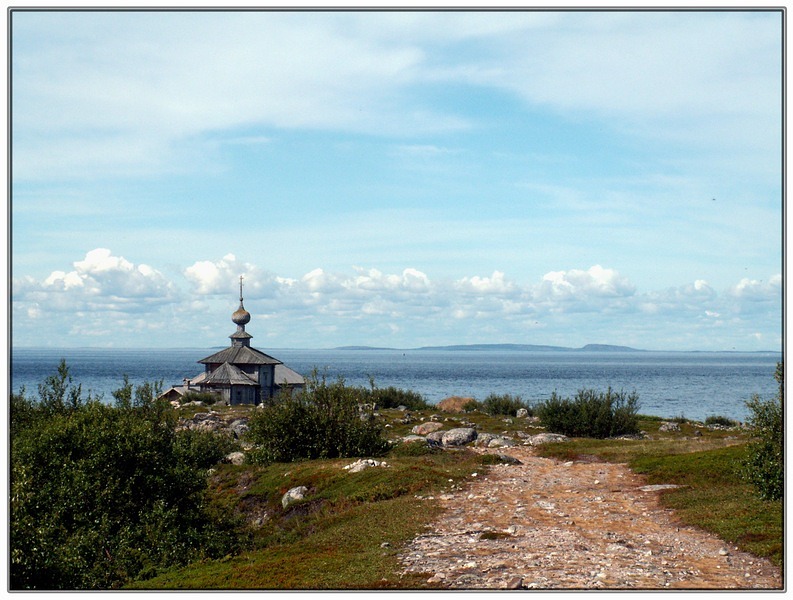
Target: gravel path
column 544, row 524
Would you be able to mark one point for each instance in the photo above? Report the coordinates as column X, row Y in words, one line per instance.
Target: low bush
column 591, row 414
column 101, row 494
column 764, row 466
column 472, row 406
column 322, row 421
column 720, row 421
column 207, row 398
column 392, row 397
column 503, row 404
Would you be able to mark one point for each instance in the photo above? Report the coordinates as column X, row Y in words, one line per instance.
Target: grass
column 345, row 535
column 348, row 531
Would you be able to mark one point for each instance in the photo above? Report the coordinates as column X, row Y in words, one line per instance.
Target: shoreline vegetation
column 148, row 495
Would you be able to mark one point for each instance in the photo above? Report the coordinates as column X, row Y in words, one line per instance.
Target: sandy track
column 576, row 525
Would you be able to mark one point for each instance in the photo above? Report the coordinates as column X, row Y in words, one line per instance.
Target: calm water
column 669, row 384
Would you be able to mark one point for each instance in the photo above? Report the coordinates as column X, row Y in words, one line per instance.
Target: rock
column 522, row 413
column 483, row 439
column 409, row 439
column 546, row 438
column 501, row 442
column 426, row 428
column 234, row 458
column 293, row 495
column 508, row 460
column 454, row 404
column 239, row 427
column 667, row 426
column 435, row 438
column 515, row 583
column 659, row 487
column 364, row 463
column 459, row 436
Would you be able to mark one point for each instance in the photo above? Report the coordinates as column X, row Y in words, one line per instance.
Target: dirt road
column 544, row 524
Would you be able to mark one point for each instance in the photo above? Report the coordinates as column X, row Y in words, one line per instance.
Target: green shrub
column 322, row 421
column 764, row 466
column 207, row 398
column 392, row 397
column 472, row 406
column 504, row 404
column 591, row 414
column 720, row 421
column 101, row 495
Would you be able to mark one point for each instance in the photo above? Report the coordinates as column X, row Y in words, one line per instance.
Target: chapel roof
column 228, row 374
column 240, row 355
column 285, row 375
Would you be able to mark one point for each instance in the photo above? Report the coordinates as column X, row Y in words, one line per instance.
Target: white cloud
column 106, row 296
column 93, row 303
column 495, row 284
column 754, row 290
column 595, row 282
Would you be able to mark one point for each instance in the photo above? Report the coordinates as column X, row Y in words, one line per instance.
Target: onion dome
column 241, row 316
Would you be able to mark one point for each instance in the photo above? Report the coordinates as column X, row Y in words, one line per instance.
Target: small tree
column 764, row 466
column 591, row 414
column 503, row 404
column 323, row 421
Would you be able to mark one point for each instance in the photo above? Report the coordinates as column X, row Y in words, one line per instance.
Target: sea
column 694, row 385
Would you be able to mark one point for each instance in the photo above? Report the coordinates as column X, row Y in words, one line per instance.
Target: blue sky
column 397, row 178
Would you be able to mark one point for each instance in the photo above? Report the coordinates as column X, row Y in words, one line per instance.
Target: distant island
column 510, row 347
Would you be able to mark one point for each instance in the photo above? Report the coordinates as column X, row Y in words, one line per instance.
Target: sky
column 397, row 178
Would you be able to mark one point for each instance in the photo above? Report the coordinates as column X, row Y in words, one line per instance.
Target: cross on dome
column 241, row 316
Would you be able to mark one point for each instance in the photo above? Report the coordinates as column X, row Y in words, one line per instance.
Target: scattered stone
column 435, row 438
column 239, row 427
column 483, row 439
column 293, row 495
column 426, row 428
column 659, row 487
column 364, row 463
column 501, row 442
column 234, row 458
column 546, row 438
column 667, row 426
column 508, row 459
column 516, row 583
column 459, row 436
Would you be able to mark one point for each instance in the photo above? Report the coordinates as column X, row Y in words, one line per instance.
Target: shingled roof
column 285, row 375
column 241, row 355
column 227, row 374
